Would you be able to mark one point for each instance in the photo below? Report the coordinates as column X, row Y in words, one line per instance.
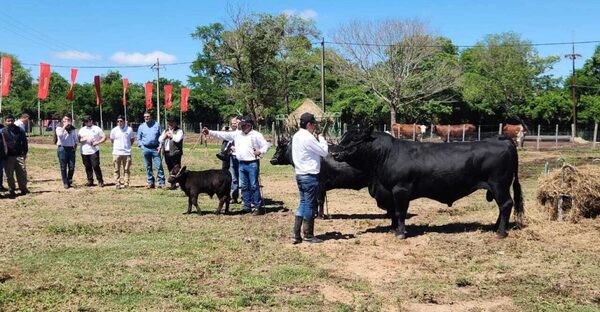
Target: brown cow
column 515, row 132
column 408, row 131
column 456, row 131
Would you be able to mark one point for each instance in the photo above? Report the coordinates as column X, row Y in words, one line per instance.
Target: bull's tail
column 518, row 196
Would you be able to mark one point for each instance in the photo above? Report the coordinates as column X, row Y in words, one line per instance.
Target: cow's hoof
column 501, row 235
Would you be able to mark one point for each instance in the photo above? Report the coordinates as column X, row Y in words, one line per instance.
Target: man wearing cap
column 16, row 149
column 90, row 137
column 306, row 154
column 172, row 141
column 147, row 136
column 122, row 138
column 249, row 146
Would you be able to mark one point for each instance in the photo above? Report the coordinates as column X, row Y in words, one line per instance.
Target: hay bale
column 580, row 188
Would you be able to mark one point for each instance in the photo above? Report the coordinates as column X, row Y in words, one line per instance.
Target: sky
column 76, row 33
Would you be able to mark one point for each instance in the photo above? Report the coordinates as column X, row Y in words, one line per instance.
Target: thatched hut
column 308, row 105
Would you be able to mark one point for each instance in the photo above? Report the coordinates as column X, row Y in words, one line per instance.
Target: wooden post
column 595, row 135
column 479, row 133
column 500, row 129
column 556, row 136
column 538, row 138
column 464, row 129
column 448, row 134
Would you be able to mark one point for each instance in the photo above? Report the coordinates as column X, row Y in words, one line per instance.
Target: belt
column 72, row 146
column 248, row 161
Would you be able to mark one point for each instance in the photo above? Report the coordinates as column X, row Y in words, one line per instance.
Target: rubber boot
column 309, row 232
column 297, row 227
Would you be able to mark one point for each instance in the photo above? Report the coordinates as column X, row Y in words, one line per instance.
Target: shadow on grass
column 335, row 236
column 452, row 228
column 362, row 216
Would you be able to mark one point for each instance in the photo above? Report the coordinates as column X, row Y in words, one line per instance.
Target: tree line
column 375, row 72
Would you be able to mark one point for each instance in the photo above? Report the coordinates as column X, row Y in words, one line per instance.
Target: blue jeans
column 234, row 169
column 308, row 185
column 66, row 158
column 249, row 184
column 153, row 156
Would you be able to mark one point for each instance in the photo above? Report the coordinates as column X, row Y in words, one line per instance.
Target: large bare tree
column 399, row 60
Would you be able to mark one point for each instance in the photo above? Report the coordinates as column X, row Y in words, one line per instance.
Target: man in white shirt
column 249, row 146
column 306, row 154
column 90, row 136
column 172, row 141
column 122, row 138
column 66, row 142
column 23, row 122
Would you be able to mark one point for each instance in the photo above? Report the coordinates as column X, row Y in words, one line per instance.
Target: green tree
column 501, row 74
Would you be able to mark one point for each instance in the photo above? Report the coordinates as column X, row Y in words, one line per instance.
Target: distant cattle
column 408, row 131
column 456, row 131
column 403, row 170
column 515, row 132
column 333, row 174
column 194, row 183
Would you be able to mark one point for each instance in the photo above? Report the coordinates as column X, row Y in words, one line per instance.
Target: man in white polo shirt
column 306, row 154
column 250, row 145
column 90, row 136
column 122, row 138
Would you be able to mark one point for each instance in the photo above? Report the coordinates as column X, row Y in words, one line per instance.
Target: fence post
column 463, row 137
column 431, row 132
column 448, row 135
column 414, row 131
column 572, row 132
column 273, row 134
column 595, row 135
column 538, row 138
column 478, row 132
column 384, row 127
column 345, row 128
column 556, row 137
column 500, row 129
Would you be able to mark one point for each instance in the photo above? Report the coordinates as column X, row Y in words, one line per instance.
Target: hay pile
column 581, row 185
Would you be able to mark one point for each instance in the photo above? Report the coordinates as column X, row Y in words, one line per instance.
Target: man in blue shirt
column 147, row 136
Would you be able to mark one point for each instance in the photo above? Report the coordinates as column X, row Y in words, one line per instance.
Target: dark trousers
column 92, row 165
column 66, row 158
column 171, row 161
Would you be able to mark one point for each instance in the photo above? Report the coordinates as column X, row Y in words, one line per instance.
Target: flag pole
column 72, row 112
column 39, row 116
column 1, row 67
column 101, row 125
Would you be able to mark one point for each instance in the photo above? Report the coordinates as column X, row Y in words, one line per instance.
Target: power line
column 458, row 46
column 111, row 66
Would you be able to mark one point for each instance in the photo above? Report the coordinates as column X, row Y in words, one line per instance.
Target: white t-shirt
column 91, row 134
column 245, row 144
column 121, row 138
column 307, row 152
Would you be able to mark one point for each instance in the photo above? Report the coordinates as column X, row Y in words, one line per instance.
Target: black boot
column 309, row 232
column 297, row 227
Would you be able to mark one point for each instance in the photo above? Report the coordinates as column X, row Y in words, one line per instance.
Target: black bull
column 333, row 174
column 404, row 170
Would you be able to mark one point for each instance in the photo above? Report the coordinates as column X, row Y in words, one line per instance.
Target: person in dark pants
column 306, row 154
column 3, row 150
column 172, row 141
column 66, row 141
column 16, row 154
column 90, row 136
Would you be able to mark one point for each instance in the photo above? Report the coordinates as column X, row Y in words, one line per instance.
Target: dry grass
column 95, row 249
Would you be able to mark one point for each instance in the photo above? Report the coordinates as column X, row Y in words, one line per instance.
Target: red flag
column 73, row 77
column 44, row 81
column 185, row 94
column 148, row 95
column 168, row 94
column 98, row 94
column 6, row 74
column 125, row 84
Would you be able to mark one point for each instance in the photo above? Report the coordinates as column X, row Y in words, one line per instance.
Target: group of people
column 246, row 145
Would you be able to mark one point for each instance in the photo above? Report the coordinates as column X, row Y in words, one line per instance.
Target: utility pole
column 322, row 73
column 156, row 66
column 572, row 57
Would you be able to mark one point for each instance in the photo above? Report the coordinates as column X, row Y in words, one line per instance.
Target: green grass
column 93, row 249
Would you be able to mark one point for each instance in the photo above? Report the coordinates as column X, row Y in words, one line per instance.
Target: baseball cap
column 307, row 117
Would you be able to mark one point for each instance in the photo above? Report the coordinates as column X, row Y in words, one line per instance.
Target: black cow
column 408, row 170
column 333, row 174
column 208, row 182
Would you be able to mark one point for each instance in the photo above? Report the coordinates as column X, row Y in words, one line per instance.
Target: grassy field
column 102, row 249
